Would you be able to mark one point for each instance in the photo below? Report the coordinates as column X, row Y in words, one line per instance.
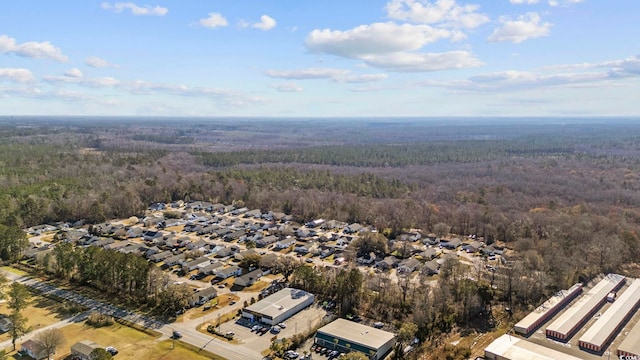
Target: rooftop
column 600, row 331
column 279, row 302
column 631, row 344
column 357, row 333
column 547, row 306
column 581, row 308
column 511, row 347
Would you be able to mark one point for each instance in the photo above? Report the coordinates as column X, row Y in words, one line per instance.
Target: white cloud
column 266, row 23
column 525, row 27
column 528, row 2
column 335, row 75
column 140, row 87
column 555, row 3
column 31, row 49
column 377, row 38
column 446, row 13
column 136, row 9
column 557, row 76
column 413, row 62
column 96, row 62
column 74, row 73
column 214, row 20
column 16, row 75
column 288, row 87
column 307, row 74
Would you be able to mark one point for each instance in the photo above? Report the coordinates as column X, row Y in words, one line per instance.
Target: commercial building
column 631, row 344
column 508, row 347
column 547, row 310
column 278, row 307
column 577, row 314
column 608, row 325
column 345, row 336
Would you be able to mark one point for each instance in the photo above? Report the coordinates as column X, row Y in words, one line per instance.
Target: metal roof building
column 508, row 347
column 345, row 336
column 608, row 325
column 571, row 320
column 631, row 344
column 547, row 310
column 278, row 307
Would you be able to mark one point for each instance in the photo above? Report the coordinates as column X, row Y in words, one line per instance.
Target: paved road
column 189, row 333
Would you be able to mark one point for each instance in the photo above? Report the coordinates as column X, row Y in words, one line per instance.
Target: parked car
column 283, row 325
column 111, row 350
column 275, row 330
column 176, row 335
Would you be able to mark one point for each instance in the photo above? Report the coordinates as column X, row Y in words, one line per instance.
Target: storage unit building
column 547, row 310
column 608, row 325
column 631, row 345
column 278, row 307
column 345, row 336
column 571, row 320
column 509, row 347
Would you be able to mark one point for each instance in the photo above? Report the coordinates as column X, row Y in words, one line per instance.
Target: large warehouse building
column 608, row 325
column 547, row 310
column 345, row 336
column 571, row 320
column 278, row 307
column 508, row 347
column 631, row 344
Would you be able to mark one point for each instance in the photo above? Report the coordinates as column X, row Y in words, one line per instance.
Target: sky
column 329, row 58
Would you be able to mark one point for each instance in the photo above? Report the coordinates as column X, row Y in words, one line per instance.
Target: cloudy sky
column 320, row 58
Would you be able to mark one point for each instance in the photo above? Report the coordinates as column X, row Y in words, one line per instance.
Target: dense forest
column 562, row 193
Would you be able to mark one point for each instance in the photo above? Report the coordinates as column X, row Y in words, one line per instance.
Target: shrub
column 96, row 319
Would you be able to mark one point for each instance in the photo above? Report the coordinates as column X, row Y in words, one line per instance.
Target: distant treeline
column 382, row 155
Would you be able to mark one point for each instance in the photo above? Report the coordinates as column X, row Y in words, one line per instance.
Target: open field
column 131, row 344
column 40, row 313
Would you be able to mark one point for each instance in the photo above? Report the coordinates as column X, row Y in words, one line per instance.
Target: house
column 267, row 240
column 286, row 243
column 133, row 248
column 411, row 237
column 430, row 240
column 224, row 252
column 5, row 324
column 33, row 349
column 225, row 273
column 209, row 269
column 387, row 263
column 82, row 349
column 195, row 263
column 202, row 296
column 268, row 261
column 151, row 221
column 248, row 279
column 429, row 254
column 198, row 245
column 175, row 259
column 451, row 244
column 234, row 235
column 431, row 268
column 151, row 235
column 304, row 233
column 37, row 252
column 157, row 257
column 177, row 204
column 314, row 223
column 239, row 211
column 367, row 259
column 151, row 251
column 489, row 250
column 327, row 251
column 474, row 247
column 157, row 206
column 408, row 266
column 256, row 213
column 243, row 254
column 103, row 242
column 353, row 228
column 135, row 232
column 303, row 249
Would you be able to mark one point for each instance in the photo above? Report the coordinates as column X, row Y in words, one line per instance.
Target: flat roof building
column 547, row 310
column 508, row 347
column 631, row 344
column 608, row 325
column 278, row 307
column 345, row 336
column 571, row 320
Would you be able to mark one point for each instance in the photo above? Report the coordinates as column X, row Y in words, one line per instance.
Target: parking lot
column 299, row 323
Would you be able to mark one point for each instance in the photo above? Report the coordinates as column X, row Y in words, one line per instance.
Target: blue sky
column 285, row 58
